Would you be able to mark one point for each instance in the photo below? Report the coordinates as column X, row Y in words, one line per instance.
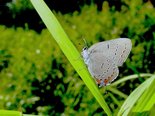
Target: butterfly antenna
column 86, row 45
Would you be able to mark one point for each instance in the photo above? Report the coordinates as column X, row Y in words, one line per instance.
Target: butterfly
column 104, row 58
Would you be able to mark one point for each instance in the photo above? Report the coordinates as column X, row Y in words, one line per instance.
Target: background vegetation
column 37, row 78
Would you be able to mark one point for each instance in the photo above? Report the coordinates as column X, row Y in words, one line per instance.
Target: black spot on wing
column 108, row 46
column 102, row 65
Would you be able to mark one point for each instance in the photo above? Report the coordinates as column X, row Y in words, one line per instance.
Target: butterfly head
column 85, row 55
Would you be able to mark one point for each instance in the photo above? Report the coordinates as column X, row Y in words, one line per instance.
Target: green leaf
column 135, row 96
column 129, row 78
column 147, row 100
column 10, row 113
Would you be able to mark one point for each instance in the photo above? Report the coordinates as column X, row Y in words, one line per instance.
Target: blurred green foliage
column 37, row 78
column 16, row 6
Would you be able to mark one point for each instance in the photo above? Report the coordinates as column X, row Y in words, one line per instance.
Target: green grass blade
column 134, row 97
column 13, row 113
column 10, row 113
column 116, row 91
column 129, row 78
column 68, row 49
column 116, row 101
column 147, row 100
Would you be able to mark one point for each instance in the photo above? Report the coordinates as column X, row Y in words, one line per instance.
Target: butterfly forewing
column 117, row 50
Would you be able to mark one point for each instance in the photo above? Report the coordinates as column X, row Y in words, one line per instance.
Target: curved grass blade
column 68, row 49
column 134, row 97
column 147, row 100
column 116, row 91
column 130, row 77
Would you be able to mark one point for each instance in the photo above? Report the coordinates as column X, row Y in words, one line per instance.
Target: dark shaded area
column 116, row 4
column 128, row 86
column 127, row 33
column 45, row 89
column 30, row 17
column 47, row 97
column 97, row 111
column 4, row 59
column 148, row 35
column 152, row 1
column 64, row 6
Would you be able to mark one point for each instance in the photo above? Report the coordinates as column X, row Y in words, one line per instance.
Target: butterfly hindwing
column 101, row 67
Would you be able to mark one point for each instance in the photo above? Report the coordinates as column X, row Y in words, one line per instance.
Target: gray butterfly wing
column 117, row 50
column 101, row 67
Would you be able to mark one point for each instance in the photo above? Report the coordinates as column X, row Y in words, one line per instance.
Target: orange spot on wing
column 98, row 81
column 106, row 81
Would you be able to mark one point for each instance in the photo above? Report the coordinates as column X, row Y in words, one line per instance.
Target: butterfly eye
column 85, row 48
